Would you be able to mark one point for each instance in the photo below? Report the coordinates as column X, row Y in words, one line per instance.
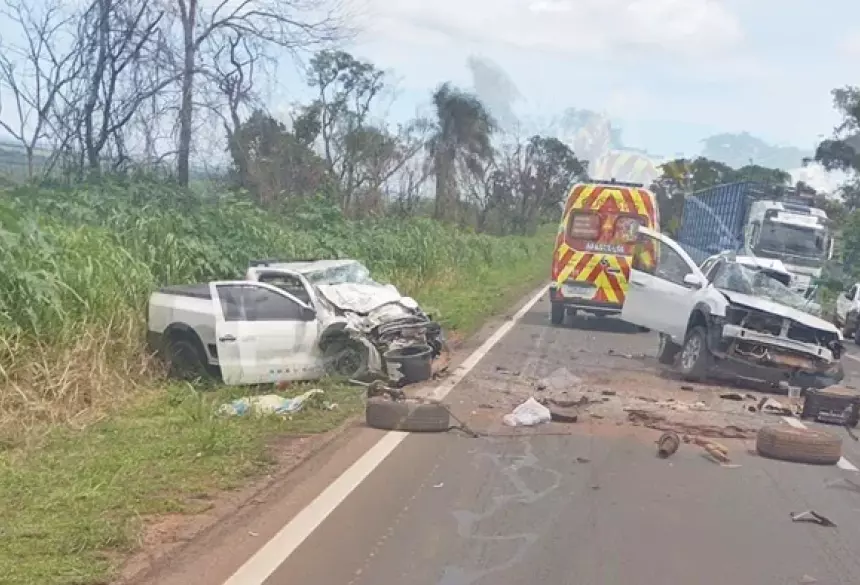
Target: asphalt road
column 589, row 505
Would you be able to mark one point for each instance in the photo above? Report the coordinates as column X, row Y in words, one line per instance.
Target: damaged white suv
column 728, row 321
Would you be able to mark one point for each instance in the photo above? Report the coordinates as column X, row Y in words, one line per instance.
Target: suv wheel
column 667, row 351
column 695, row 359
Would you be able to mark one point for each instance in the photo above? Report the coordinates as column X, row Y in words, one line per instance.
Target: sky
column 668, row 72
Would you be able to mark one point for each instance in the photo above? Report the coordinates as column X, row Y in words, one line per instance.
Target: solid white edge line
column 268, row 558
column 853, row 357
column 841, row 464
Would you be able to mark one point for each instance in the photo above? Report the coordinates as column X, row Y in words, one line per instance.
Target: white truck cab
column 797, row 234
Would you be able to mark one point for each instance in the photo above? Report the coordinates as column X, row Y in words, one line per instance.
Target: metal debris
column 732, row 396
column 668, row 444
column 813, row 517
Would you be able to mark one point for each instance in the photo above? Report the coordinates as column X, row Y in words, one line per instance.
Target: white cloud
column 685, row 28
column 850, row 45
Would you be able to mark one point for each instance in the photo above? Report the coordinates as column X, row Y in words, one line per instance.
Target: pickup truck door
column 263, row 334
column 659, row 296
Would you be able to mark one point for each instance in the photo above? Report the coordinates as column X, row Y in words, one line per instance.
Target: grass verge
column 74, row 508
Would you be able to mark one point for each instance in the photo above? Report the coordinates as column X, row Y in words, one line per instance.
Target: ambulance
column 596, row 243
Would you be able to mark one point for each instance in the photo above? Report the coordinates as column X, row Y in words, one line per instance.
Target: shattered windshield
column 743, row 279
column 352, row 273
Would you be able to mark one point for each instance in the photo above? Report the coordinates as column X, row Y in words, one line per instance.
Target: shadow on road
column 585, row 323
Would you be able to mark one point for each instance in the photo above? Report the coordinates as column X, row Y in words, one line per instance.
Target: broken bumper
column 757, row 355
column 556, row 296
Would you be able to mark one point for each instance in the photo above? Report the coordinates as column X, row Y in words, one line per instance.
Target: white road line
column 260, row 566
column 853, row 357
column 841, row 464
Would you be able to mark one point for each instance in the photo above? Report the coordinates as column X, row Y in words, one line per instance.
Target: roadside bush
column 79, row 263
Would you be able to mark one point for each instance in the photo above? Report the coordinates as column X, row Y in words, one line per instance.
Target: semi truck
column 755, row 219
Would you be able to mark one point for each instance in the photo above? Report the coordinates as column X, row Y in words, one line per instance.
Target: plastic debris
column 813, row 517
column 667, row 444
column 266, row 404
column 528, row 414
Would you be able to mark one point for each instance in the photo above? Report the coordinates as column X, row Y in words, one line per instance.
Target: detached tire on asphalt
column 408, row 416
column 799, row 445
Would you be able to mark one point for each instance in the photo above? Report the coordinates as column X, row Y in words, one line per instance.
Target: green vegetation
column 79, row 265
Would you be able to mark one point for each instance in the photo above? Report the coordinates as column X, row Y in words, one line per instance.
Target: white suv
column 731, row 319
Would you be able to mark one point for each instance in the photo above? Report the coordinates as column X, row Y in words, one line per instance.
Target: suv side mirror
column 693, row 280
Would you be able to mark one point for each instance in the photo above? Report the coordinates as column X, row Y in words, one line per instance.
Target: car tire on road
column 695, row 359
column 557, row 313
column 409, row 416
column 667, row 351
column 798, row 445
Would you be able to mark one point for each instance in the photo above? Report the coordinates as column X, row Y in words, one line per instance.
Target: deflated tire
column 406, row 415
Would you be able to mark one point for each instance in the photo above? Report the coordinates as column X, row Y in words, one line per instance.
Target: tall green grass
column 79, row 263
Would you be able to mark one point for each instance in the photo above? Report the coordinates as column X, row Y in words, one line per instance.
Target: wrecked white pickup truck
column 291, row 321
column 728, row 320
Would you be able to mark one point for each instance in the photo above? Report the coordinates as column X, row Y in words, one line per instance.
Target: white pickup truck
column 286, row 321
column 729, row 318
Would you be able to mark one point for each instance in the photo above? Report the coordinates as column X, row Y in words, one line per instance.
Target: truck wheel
column 667, row 351
column 798, row 445
column 695, row 360
column 186, row 363
column 557, row 313
column 346, row 357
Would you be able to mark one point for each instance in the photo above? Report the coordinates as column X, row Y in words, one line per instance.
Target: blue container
column 713, row 219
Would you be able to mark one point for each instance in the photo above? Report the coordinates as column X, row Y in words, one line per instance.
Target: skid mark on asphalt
column 841, row 464
column 467, row 520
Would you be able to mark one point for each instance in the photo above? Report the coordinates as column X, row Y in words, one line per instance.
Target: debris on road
column 714, row 451
column 561, row 380
column 528, row 414
column 267, row 404
column 406, row 415
column 583, row 460
column 659, row 422
column 844, row 483
column 668, row 444
column 808, row 579
column 768, row 405
column 732, row 396
column 813, row 517
column 562, row 414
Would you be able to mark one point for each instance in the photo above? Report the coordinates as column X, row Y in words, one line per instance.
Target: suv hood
column 781, row 310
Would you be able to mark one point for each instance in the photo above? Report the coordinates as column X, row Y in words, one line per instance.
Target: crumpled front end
column 779, row 346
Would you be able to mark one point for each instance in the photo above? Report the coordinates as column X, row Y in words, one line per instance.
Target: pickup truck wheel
column 346, row 358
column 695, row 360
column 186, row 363
column 667, row 350
column 798, row 445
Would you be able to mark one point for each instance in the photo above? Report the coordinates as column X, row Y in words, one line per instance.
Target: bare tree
column 288, row 24
column 121, row 47
column 35, row 75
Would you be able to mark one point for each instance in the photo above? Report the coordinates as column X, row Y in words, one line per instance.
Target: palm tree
column 464, row 129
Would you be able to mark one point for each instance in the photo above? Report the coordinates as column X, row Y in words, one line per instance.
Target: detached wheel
column 185, row 361
column 667, row 350
column 408, row 416
column 696, row 359
column 798, row 445
column 557, row 313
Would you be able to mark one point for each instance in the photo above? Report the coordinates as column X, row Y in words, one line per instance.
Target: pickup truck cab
column 728, row 320
column 284, row 321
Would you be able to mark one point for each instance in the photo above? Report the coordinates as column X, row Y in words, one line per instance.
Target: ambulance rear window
column 583, row 226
